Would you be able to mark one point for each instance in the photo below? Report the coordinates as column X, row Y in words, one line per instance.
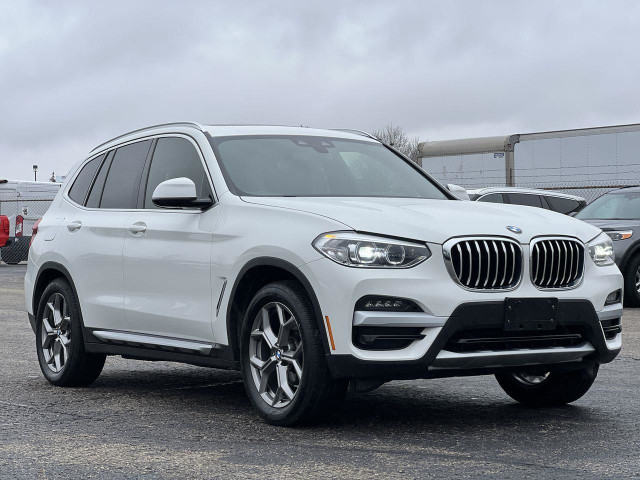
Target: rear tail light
column 19, row 222
column 35, row 230
column 4, row 224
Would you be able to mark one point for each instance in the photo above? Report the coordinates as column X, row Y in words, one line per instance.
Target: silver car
column 550, row 200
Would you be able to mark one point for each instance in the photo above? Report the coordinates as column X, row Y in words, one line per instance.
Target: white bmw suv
column 311, row 260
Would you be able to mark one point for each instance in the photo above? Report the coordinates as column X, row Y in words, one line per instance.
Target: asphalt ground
column 165, row 420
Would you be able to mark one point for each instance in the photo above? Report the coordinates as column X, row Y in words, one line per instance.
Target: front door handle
column 74, row 226
column 138, row 228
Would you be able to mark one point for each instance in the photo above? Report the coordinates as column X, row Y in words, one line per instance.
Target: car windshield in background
column 309, row 166
column 613, row 206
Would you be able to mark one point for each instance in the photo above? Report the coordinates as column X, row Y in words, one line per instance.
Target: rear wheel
column 282, row 358
column 536, row 389
column 632, row 282
column 59, row 341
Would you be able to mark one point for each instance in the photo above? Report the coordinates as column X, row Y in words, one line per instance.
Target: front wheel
column 536, row 389
column 282, row 358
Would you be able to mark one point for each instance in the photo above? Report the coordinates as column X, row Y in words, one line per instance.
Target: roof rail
column 177, row 124
column 353, row 130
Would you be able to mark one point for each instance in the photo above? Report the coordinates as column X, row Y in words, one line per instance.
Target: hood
column 435, row 220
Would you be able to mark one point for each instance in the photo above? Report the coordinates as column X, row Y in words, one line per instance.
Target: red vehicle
column 4, row 230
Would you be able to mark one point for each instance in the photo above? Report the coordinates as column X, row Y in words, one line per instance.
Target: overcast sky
column 74, row 74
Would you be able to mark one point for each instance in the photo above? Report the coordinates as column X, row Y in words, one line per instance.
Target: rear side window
column 123, row 180
column 82, row 183
column 563, row 205
column 93, row 201
column 176, row 157
column 492, row 198
column 525, row 199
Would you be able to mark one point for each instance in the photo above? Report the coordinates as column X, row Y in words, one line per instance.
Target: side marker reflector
column 333, row 345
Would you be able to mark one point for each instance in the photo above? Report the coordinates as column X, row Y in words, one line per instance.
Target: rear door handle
column 138, row 228
column 74, row 226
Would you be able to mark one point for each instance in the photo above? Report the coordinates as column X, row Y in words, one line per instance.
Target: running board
column 152, row 341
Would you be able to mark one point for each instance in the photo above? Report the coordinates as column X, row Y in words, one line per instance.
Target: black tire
column 556, row 390
column 80, row 368
column 317, row 393
column 631, row 294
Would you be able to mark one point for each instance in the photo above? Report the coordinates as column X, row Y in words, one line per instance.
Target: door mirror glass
column 458, row 191
column 178, row 193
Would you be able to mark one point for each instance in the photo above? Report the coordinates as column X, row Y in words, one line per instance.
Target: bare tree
column 395, row 136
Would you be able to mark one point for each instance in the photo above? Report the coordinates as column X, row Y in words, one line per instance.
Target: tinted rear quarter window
column 525, row 199
column 563, row 205
column 123, row 180
column 82, row 183
column 176, row 157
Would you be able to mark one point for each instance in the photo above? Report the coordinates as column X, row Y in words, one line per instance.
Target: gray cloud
column 73, row 74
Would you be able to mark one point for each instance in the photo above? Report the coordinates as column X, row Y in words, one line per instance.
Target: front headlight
column 601, row 250
column 368, row 251
column 616, row 235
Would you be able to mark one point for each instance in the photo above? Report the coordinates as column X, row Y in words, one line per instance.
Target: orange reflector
column 333, row 345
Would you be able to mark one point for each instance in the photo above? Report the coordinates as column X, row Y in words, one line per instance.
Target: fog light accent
column 614, row 297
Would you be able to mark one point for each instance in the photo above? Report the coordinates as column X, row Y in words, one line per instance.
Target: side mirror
column 179, row 193
column 458, row 191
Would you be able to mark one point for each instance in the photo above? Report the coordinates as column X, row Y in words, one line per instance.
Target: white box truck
column 586, row 161
column 23, row 203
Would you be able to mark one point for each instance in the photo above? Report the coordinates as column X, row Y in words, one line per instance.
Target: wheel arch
column 631, row 252
column 48, row 272
column 254, row 275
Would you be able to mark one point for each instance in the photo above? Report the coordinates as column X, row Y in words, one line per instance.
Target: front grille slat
column 487, row 264
column 563, row 259
column 495, row 277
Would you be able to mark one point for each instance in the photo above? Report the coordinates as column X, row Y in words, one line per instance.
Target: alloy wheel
column 638, row 280
column 531, row 378
column 276, row 354
column 55, row 333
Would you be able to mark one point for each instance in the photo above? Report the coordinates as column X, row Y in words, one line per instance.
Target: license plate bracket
column 530, row 314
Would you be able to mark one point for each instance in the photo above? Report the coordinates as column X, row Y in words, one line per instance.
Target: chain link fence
column 22, row 214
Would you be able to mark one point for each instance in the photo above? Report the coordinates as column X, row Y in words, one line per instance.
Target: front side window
column 82, row 183
column 123, row 180
column 176, row 157
column 613, row 206
column 525, row 199
column 308, row 166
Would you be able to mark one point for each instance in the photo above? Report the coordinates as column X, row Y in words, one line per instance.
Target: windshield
column 613, row 206
column 309, row 166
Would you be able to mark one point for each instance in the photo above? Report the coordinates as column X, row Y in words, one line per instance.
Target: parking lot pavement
column 163, row 420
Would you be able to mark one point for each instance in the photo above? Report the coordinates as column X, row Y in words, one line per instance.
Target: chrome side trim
column 397, row 319
column 511, row 358
column 138, row 339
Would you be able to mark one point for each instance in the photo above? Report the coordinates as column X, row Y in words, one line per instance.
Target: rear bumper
column 440, row 362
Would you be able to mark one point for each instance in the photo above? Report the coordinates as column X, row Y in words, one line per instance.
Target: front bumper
column 440, row 362
column 448, row 307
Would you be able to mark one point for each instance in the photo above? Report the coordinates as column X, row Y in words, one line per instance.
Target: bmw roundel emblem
column 513, row 229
